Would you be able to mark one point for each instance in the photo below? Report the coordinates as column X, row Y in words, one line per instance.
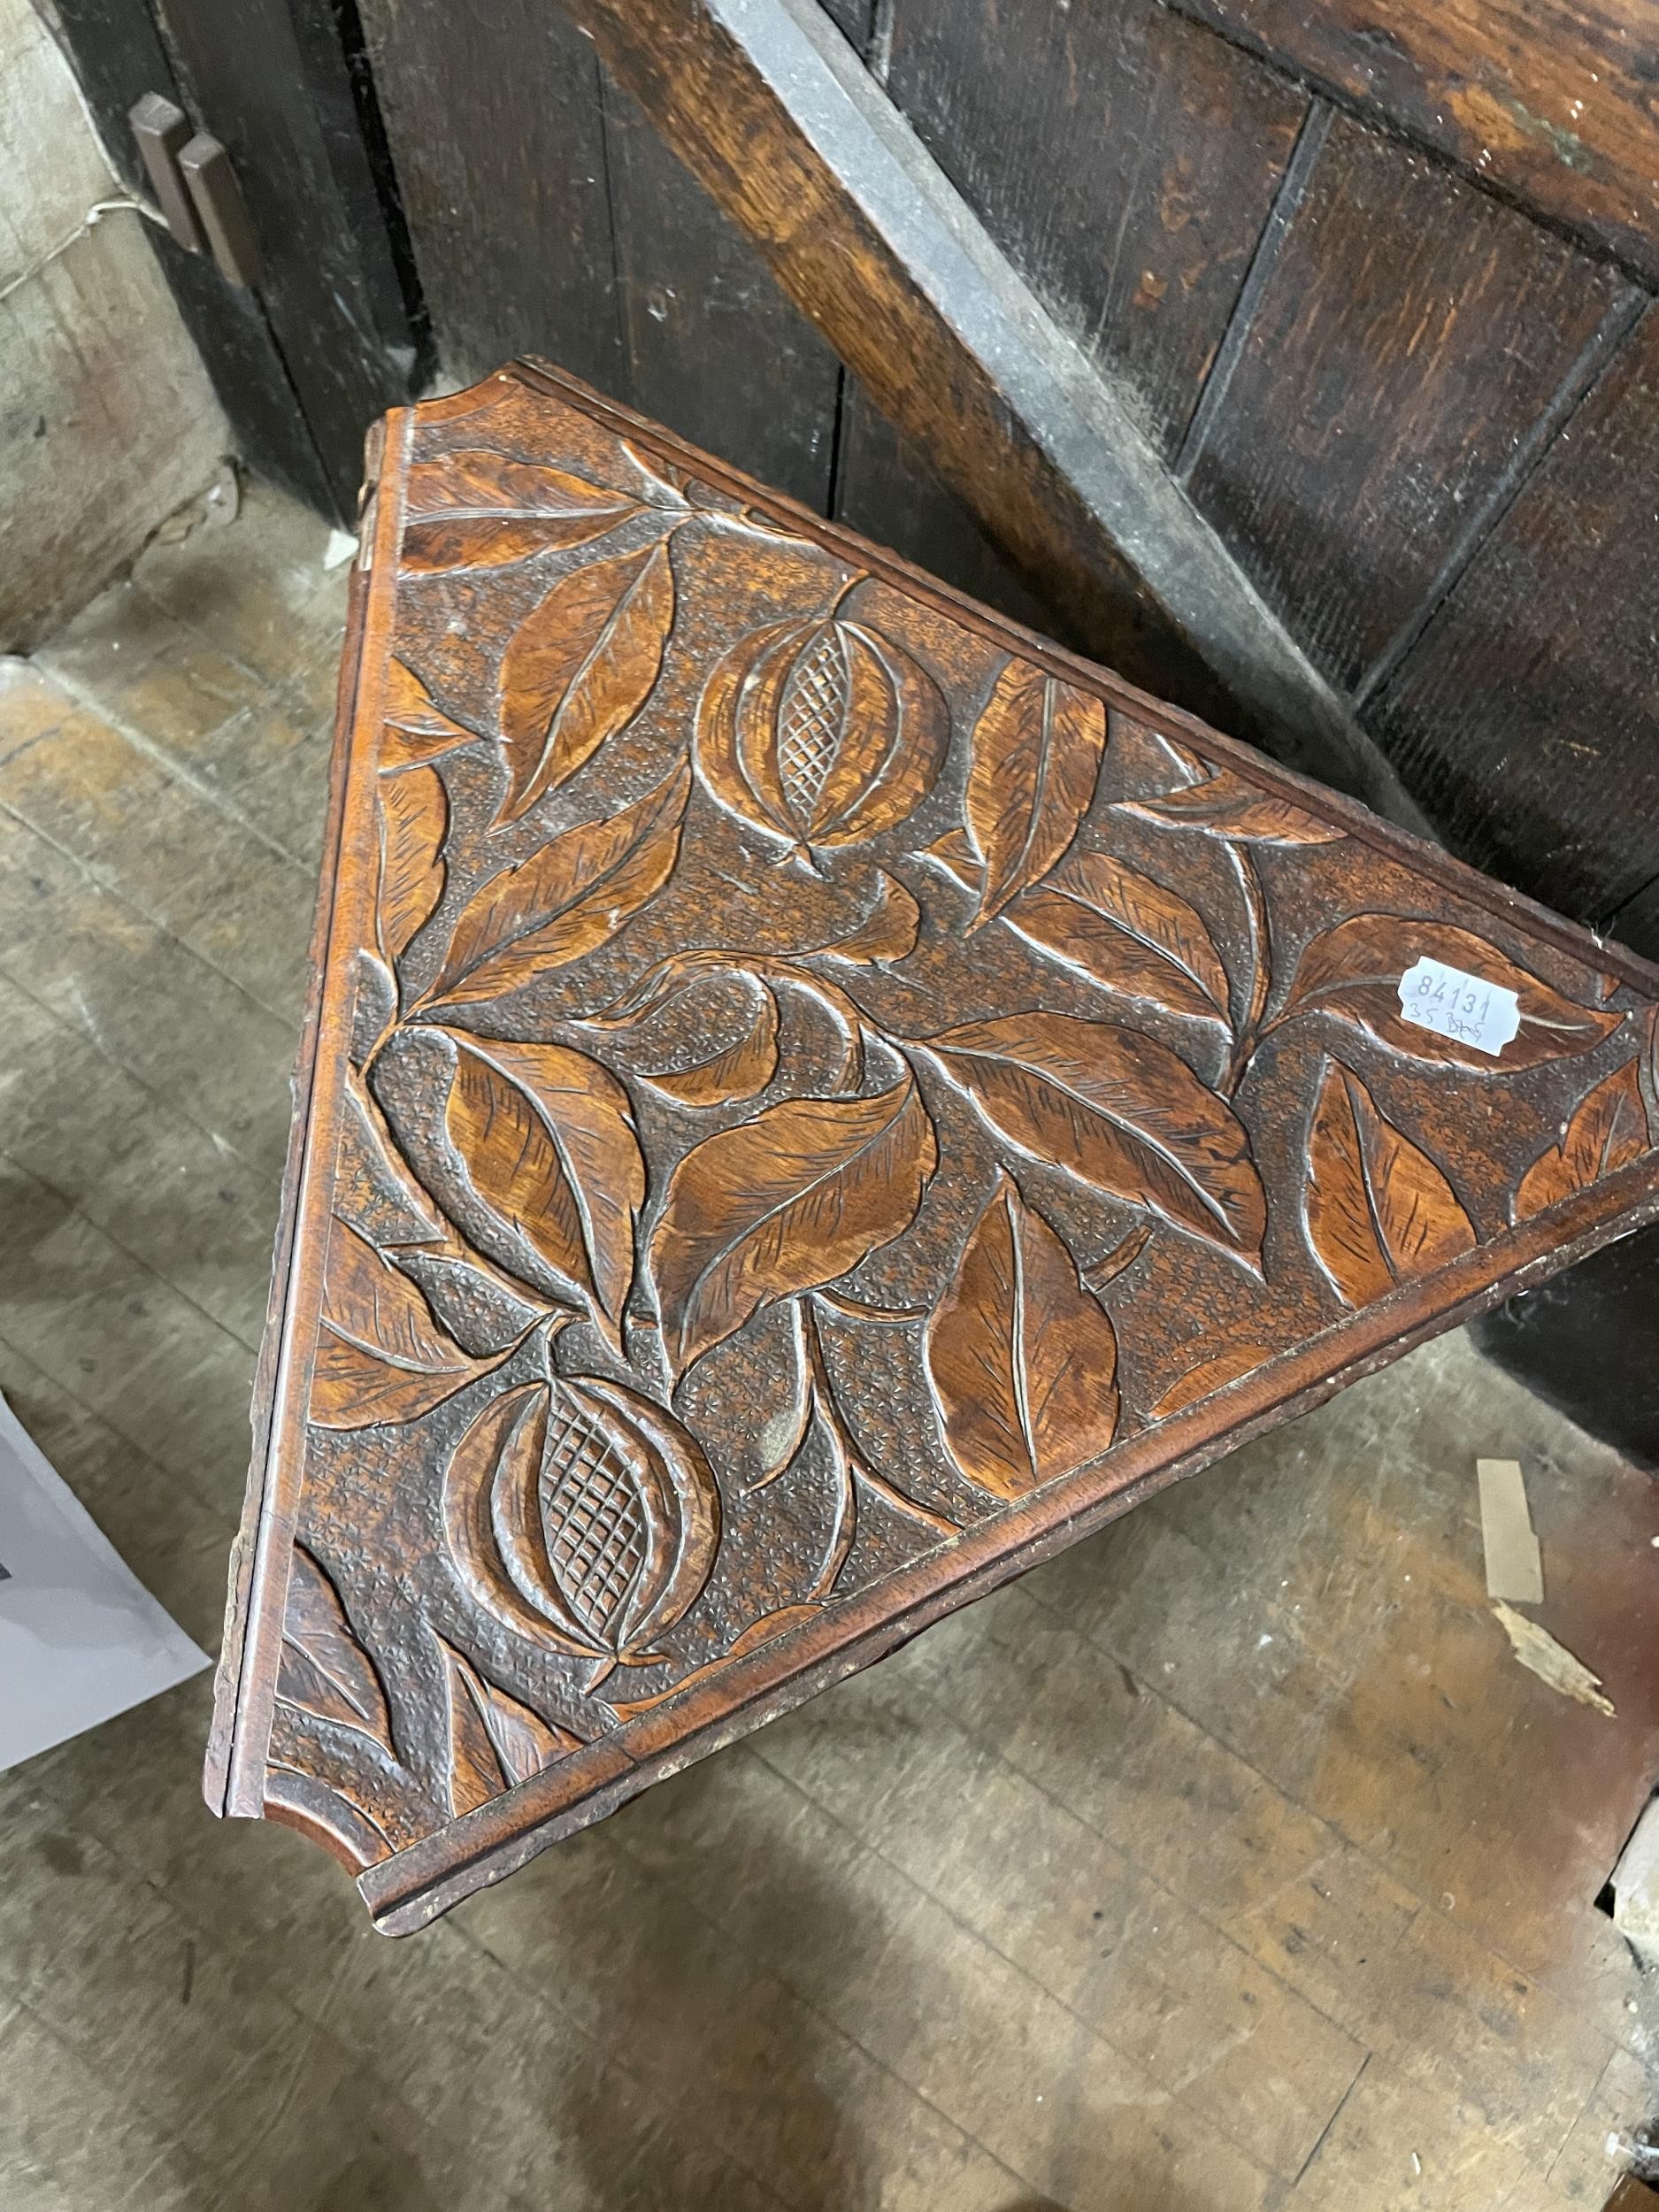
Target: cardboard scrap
column 1514, row 1567
column 1551, row 1663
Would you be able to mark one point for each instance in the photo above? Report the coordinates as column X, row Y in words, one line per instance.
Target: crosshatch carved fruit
column 582, row 1515
column 822, row 731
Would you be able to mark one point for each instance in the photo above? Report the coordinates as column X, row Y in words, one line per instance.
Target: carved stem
column 1261, row 974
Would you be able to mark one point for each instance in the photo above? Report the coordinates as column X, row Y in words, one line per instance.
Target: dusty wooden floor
column 1230, row 1861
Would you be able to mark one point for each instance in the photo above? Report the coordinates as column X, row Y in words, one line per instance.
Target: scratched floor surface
column 1228, row 1863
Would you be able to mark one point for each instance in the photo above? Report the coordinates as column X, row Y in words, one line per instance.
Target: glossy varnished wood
column 819, row 1099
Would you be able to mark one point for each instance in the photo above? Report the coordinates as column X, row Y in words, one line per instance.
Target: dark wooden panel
column 1636, row 922
column 493, row 118
column 117, row 56
column 330, row 282
column 885, row 490
column 1551, row 100
column 1124, row 160
column 1411, row 334
column 714, row 348
column 1527, row 718
column 854, row 19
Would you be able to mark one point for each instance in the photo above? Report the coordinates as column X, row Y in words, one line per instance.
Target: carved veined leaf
column 888, row 932
column 374, row 1190
column 325, row 1669
column 566, row 899
column 414, row 821
column 1125, row 933
column 1378, row 1209
column 381, row 1355
column 1208, row 1376
column 1023, row 1359
column 1353, row 974
column 414, row 728
column 1036, row 751
column 821, row 732
column 1608, row 1131
column 1228, row 805
column 792, row 1199
column 480, row 508
column 582, row 1516
column 495, row 1741
column 727, row 1073
column 548, row 1141
column 1119, row 1112
column 579, row 669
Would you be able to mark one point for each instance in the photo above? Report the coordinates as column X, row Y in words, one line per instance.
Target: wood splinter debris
column 1551, row 1663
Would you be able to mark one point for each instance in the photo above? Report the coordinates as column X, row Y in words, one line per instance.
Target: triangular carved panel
column 815, row 1099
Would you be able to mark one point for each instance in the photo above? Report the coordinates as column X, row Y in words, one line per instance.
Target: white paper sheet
column 81, row 1638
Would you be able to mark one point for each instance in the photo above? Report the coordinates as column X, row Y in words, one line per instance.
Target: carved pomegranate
column 583, row 1515
column 822, row 733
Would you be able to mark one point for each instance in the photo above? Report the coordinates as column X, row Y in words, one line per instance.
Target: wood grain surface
column 1410, row 343
column 1546, row 99
column 1536, row 675
column 1125, row 160
column 818, row 1100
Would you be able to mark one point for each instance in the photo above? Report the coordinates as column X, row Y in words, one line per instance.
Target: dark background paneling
column 1123, row 158
column 1408, row 337
column 1528, row 714
column 497, row 138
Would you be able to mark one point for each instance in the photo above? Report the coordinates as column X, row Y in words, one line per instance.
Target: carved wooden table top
column 814, row 1100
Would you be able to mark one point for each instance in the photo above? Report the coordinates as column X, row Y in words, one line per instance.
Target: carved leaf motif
column 414, row 821
column 1607, row 1132
column 731, row 1072
column 792, row 1199
column 820, row 733
column 888, row 932
column 1125, row 933
column 1228, row 805
column 566, row 900
column 1208, row 1376
column 479, row 508
column 1119, row 1112
column 495, row 1742
column 548, row 1141
column 381, row 1355
column 1353, row 972
column 579, row 669
column 582, row 1516
column 325, row 1669
column 1023, row 1359
column 1379, row 1211
column 1036, row 751
column 415, row 729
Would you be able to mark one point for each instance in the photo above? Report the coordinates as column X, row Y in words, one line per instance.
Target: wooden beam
column 771, row 110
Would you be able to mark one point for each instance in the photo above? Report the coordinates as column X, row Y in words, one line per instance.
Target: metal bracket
column 195, row 188
column 163, row 131
column 216, row 199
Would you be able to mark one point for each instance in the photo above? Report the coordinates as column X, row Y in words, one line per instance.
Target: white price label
column 1464, row 1008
